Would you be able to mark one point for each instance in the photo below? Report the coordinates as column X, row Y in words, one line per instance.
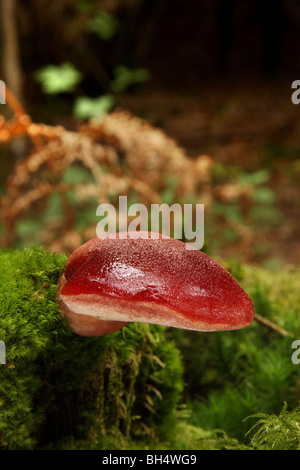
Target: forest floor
column 253, row 126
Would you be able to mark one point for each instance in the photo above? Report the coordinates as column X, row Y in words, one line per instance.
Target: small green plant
column 245, row 205
column 124, row 78
column 87, row 108
column 272, row 432
column 277, row 432
column 65, row 77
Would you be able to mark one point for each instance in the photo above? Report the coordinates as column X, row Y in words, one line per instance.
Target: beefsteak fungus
column 144, row 277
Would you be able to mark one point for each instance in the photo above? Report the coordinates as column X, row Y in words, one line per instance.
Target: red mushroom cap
column 140, row 276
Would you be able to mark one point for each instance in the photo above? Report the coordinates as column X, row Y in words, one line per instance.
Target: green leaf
column 87, row 108
column 256, row 178
column 125, row 77
column 58, row 79
column 263, row 195
column 76, row 174
column 104, row 25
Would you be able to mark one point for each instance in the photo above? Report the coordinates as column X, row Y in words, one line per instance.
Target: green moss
column 56, row 385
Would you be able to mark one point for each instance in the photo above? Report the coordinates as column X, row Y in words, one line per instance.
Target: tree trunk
column 11, row 61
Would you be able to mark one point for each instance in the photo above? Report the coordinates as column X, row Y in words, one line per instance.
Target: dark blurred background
column 183, row 44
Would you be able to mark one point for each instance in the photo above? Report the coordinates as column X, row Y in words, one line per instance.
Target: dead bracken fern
column 67, row 174
column 123, row 155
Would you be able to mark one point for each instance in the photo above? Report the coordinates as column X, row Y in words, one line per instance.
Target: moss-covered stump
column 56, row 384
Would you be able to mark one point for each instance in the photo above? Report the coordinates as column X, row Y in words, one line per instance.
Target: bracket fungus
column 144, row 277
